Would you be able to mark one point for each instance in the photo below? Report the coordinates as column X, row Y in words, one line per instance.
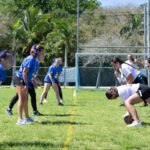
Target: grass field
column 88, row 122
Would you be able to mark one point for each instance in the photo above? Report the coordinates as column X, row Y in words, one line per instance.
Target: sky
column 114, row 3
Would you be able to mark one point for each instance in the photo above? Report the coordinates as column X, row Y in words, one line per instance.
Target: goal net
column 95, row 69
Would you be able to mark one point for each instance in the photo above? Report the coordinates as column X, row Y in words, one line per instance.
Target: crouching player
column 131, row 94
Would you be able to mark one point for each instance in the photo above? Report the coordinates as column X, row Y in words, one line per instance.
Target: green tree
column 134, row 28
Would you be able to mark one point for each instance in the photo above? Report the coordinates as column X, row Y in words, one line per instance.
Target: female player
column 6, row 62
column 131, row 95
column 52, row 79
column 31, row 90
column 23, row 78
column 131, row 74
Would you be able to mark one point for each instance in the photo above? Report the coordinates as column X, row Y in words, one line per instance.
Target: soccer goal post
column 95, row 70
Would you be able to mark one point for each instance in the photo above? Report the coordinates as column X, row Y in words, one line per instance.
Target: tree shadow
column 62, row 123
column 145, row 123
column 27, row 144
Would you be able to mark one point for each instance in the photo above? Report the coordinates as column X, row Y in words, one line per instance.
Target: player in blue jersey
column 23, row 78
column 6, row 62
column 31, row 90
column 52, row 80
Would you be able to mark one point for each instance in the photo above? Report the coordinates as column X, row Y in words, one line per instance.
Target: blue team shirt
column 55, row 72
column 3, row 73
column 37, row 67
column 32, row 64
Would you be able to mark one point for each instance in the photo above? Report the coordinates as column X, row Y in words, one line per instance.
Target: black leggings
column 32, row 94
column 60, row 91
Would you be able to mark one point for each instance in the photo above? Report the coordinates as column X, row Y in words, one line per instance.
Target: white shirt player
column 127, row 69
column 125, row 91
column 121, row 79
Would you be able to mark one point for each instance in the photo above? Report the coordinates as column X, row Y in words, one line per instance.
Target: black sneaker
column 145, row 105
column 36, row 113
column 60, row 104
column 9, row 112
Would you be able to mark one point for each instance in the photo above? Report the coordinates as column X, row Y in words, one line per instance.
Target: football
column 128, row 119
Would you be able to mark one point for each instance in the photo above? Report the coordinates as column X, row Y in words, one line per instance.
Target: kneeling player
column 131, row 94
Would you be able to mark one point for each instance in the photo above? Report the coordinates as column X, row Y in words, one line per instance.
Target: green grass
column 96, row 124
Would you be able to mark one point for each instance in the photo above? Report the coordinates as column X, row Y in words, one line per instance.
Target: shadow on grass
column 62, row 123
column 26, row 144
column 72, row 105
column 60, row 115
column 145, row 123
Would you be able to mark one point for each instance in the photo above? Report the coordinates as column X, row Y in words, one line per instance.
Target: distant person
column 136, row 63
column 147, row 63
column 22, row 79
column 6, row 63
column 130, row 95
column 130, row 60
column 52, row 80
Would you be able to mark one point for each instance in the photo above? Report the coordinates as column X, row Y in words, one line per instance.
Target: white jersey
column 131, row 63
column 121, row 79
column 127, row 69
column 125, row 91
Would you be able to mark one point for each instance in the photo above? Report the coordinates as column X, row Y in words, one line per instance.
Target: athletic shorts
column 141, row 79
column 144, row 92
column 50, row 82
column 17, row 81
column 47, row 80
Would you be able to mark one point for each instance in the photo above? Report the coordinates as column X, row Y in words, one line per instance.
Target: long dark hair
column 117, row 60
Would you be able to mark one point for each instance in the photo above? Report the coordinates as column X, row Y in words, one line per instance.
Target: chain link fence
column 67, row 77
column 96, row 76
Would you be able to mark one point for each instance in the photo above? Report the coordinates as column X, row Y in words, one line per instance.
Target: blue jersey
column 3, row 73
column 37, row 66
column 55, row 72
column 31, row 63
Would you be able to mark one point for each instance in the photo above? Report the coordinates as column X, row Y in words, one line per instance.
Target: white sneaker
column 30, row 120
column 61, row 101
column 21, row 122
column 45, row 101
column 135, row 123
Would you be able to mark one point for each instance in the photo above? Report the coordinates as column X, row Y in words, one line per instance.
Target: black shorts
column 18, row 82
column 144, row 92
column 141, row 79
